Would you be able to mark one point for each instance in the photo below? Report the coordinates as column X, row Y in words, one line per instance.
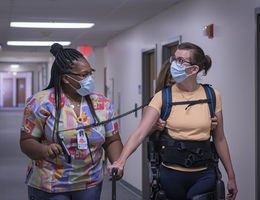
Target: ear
column 195, row 69
column 64, row 79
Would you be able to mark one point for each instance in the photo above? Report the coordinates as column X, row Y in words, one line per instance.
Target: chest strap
column 190, row 103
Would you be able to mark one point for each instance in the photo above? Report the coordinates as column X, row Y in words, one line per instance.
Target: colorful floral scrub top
column 57, row 175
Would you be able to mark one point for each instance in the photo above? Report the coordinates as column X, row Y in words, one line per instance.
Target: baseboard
column 131, row 188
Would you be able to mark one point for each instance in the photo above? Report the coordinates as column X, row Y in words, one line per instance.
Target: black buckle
column 189, row 160
column 181, row 146
column 199, row 152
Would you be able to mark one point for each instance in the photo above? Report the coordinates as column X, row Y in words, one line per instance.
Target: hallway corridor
column 13, row 163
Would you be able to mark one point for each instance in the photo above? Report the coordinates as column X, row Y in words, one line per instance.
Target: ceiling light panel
column 15, row 66
column 37, row 43
column 50, row 25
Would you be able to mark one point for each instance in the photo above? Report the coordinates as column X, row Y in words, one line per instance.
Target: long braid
column 62, row 64
column 57, row 92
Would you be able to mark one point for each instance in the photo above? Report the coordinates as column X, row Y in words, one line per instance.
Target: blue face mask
column 86, row 85
column 178, row 72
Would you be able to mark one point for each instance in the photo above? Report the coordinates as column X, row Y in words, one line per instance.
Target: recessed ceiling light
column 37, row 43
column 50, row 25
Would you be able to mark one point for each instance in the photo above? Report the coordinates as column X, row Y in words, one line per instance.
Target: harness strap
column 106, row 121
column 210, row 93
column 186, row 153
column 166, row 100
column 190, row 103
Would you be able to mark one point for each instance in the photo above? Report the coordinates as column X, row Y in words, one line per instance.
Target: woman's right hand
column 51, row 150
column 119, row 167
column 159, row 125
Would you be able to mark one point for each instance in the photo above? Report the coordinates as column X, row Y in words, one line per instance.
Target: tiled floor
column 13, row 164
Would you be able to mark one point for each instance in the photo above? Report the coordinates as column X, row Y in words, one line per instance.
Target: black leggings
column 179, row 185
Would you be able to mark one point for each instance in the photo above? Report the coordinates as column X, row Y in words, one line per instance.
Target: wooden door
column 20, row 92
column 8, row 92
column 152, row 73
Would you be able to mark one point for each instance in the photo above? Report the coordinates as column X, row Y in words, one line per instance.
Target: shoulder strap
column 210, row 93
column 166, row 101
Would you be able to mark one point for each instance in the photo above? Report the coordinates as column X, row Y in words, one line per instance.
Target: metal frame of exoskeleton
column 154, row 149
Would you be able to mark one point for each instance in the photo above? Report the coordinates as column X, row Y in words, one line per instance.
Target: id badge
column 82, row 140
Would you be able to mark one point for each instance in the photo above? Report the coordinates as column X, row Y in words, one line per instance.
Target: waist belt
column 187, row 153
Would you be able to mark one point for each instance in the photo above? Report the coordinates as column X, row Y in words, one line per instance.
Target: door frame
column 257, row 90
column 145, row 98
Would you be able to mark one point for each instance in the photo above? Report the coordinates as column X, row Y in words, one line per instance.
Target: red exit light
column 86, row 51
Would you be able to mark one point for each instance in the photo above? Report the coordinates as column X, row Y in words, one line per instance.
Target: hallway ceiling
column 111, row 17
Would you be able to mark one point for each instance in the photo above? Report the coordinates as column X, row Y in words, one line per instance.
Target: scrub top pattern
column 56, row 175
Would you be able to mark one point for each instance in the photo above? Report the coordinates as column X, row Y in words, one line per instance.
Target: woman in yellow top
column 192, row 124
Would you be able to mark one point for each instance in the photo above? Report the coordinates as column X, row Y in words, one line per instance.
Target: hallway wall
column 233, row 54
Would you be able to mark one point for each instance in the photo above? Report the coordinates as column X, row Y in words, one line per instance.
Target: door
column 152, row 73
column 148, row 75
column 168, row 50
column 8, row 92
column 20, row 92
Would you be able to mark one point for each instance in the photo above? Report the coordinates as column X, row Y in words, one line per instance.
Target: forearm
column 149, row 118
column 131, row 145
column 222, row 146
column 114, row 150
column 33, row 149
column 223, row 152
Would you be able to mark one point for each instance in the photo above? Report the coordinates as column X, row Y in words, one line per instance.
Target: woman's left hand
column 232, row 189
column 214, row 123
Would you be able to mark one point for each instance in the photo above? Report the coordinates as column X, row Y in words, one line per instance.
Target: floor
column 13, row 164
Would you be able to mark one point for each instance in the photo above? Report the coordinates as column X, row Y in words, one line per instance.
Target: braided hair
column 64, row 59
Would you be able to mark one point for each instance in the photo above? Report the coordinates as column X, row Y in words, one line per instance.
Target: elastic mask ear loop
column 188, row 68
column 71, row 84
column 72, row 78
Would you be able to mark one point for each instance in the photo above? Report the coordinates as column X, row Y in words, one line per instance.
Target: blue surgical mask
column 86, row 85
column 178, row 72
